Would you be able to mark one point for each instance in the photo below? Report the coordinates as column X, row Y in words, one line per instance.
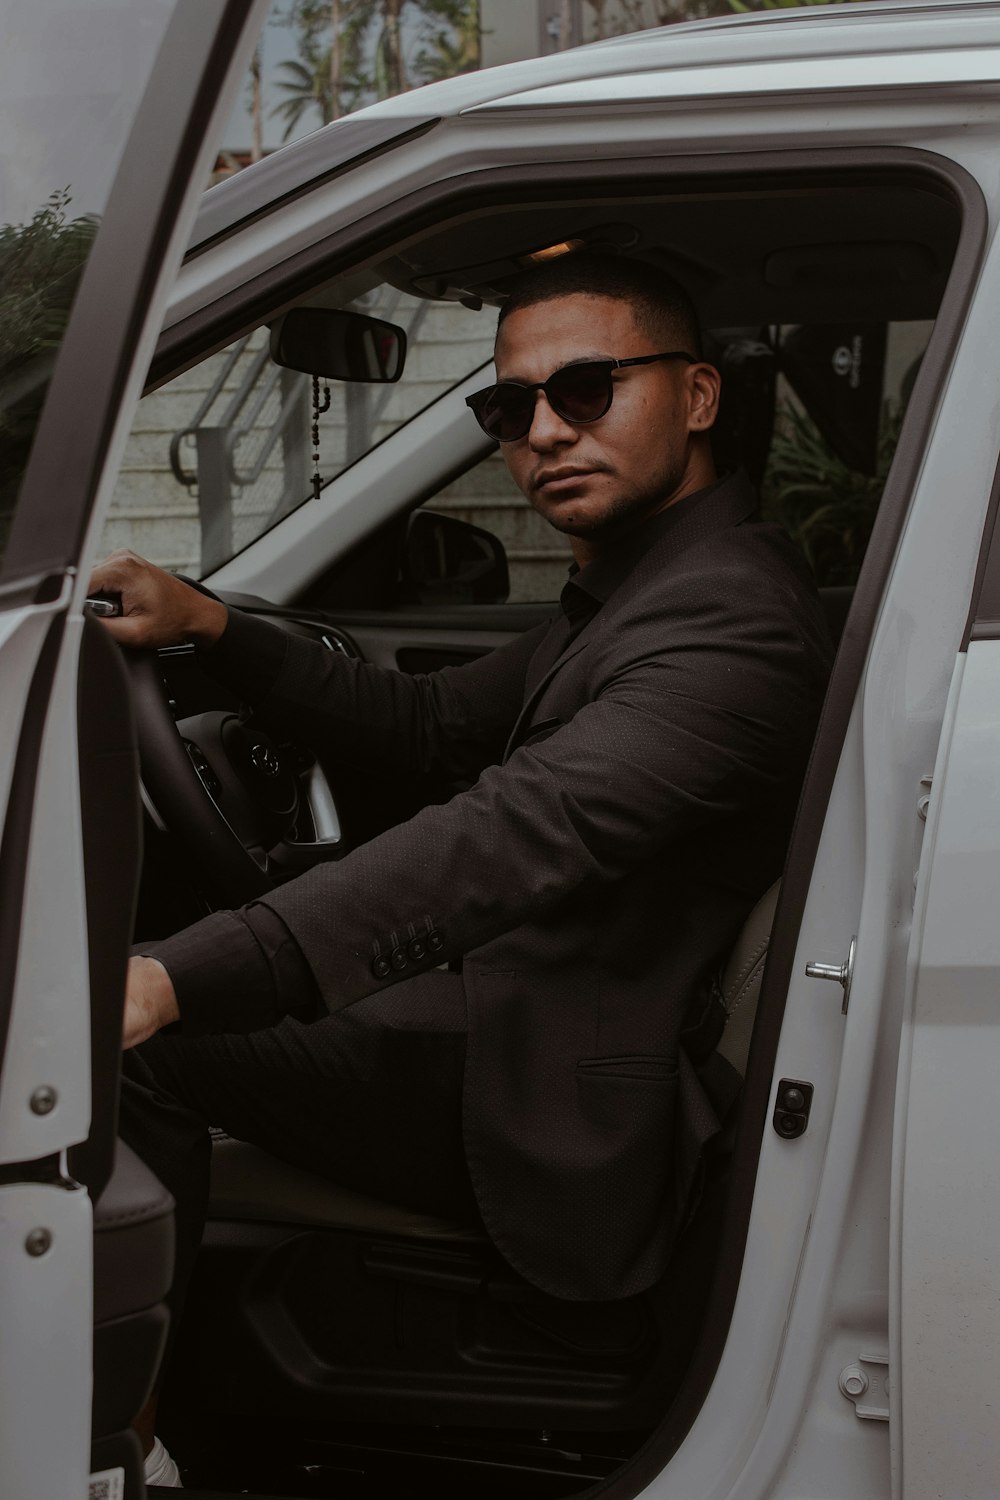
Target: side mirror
column 447, row 561
column 338, row 345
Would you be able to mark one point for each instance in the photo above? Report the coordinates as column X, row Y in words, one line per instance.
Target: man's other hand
column 150, row 1001
column 157, row 608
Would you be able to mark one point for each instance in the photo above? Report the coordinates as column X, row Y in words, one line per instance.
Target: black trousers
column 369, row 1097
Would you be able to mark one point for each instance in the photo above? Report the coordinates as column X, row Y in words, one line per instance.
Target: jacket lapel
column 725, row 504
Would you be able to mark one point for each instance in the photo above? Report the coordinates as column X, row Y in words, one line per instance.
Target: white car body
column 863, row 1352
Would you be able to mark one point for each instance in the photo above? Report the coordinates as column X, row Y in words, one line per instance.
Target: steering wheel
column 226, row 791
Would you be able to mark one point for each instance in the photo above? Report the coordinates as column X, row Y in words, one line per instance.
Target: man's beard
column 624, row 514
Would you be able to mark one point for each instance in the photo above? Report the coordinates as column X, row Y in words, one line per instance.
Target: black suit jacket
column 631, row 799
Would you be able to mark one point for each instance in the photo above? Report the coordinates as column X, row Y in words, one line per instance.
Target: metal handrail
column 182, row 475
column 236, row 434
column 218, row 471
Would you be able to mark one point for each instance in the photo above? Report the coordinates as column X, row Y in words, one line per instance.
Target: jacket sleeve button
column 381, row 967
column 435, row 942
column 417, row 949
column 399, row 958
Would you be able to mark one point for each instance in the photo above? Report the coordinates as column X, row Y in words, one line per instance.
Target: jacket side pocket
column 640, row 1067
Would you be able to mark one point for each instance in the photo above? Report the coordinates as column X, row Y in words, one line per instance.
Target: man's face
column 596, row 481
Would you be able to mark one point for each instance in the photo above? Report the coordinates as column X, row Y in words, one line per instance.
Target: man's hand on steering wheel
column 157, row 609
column 236, row 803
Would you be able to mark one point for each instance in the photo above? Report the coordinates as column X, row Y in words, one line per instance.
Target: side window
column 537, row 556
column 66, row 108
column 812, row 412
column 223, row 452
column 840, row 397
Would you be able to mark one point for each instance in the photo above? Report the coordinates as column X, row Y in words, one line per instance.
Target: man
column 635, row 768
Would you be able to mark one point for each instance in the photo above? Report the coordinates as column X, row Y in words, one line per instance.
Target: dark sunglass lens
column 506, row 412
column 581, row 393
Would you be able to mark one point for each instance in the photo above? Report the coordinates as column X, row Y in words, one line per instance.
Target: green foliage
column 826, row 507
column 605, row 18
column 40, row 266
column 384, row 47
column 306, row 86
column 745, row 5
column 449, row 40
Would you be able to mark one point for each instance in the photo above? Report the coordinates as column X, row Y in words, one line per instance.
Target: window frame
column 372, row 236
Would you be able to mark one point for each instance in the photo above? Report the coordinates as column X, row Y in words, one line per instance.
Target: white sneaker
column 161, row 1469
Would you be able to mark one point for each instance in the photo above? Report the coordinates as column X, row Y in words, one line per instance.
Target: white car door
column 946, row 1161
column 109, row 112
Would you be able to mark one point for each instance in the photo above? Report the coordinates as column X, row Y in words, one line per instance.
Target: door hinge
column 867, row 1385
column 924, row 800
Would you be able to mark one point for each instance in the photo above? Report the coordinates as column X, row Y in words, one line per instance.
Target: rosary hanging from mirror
column 319, row 407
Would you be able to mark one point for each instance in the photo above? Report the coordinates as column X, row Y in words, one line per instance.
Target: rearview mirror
column 338, row 345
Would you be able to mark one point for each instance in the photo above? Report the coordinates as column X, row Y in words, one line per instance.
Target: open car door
column 110, row 112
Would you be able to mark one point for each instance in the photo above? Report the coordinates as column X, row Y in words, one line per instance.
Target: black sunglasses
column 578, row 393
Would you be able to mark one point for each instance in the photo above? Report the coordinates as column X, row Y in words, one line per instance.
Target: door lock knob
column 842, row 973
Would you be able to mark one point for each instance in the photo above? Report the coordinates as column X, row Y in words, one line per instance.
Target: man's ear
column 704, row 385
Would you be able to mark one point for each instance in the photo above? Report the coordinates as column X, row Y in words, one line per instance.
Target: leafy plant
column 40, row 266
column 306, row 85
column 449, row 42
column 355, row 51
column 825, row 506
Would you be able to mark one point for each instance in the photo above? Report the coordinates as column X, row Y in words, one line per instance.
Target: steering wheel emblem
column 264, row 760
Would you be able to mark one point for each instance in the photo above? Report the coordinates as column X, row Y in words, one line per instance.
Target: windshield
column 69, row 89
column 223, row 452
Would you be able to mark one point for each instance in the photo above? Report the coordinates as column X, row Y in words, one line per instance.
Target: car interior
column 335, row 1345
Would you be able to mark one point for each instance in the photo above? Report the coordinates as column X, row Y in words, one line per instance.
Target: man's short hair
column 662, row 309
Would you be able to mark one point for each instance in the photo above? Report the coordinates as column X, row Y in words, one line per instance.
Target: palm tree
column 256, row 112
column 315, row 79
column 450, row 41
column 353, row 51
column 335, row 59
column 307, row 86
